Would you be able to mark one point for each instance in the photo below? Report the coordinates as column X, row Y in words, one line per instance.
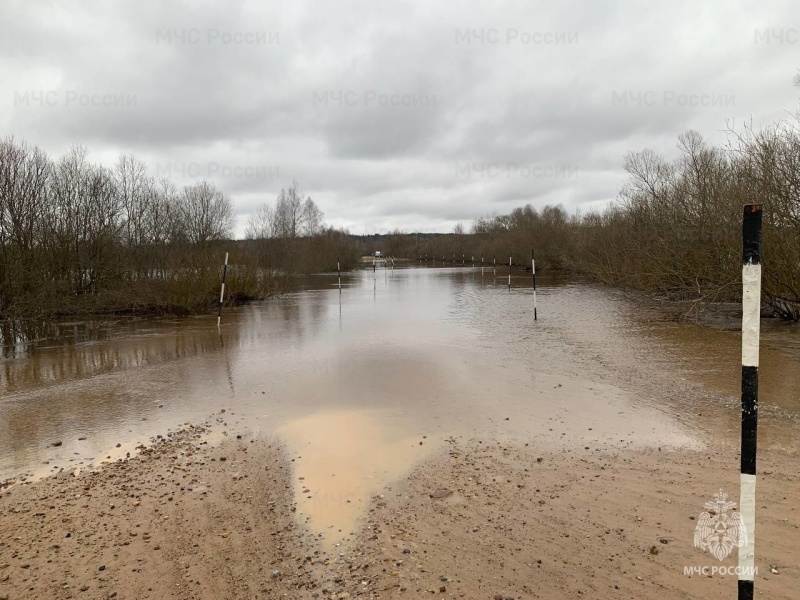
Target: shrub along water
column 80, row 238
column 674, row 231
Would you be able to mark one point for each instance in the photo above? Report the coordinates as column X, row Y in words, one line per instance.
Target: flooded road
column 363, row 383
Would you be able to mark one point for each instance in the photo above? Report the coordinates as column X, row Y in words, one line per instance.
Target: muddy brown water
column 363, row 383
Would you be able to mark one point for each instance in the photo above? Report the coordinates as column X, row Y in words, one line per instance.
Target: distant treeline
column 673, row 232
column 78, row 237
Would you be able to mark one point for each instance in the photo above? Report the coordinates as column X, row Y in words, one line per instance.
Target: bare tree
column 206, row 213
column 289, row 212
column 132, row 186
column 260, row 223
column 311, row 218
column 24, row 177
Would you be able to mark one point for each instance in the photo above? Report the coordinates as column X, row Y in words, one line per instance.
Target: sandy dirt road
column 483, row 519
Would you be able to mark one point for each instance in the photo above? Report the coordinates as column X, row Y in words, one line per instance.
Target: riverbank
column 483, row 519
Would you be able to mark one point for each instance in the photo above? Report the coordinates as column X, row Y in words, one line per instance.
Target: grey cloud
column 511, row 116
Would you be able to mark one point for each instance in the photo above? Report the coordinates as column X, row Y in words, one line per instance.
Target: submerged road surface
column 363, row 383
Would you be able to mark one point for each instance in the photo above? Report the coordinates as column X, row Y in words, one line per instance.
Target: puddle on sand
column 342, row 458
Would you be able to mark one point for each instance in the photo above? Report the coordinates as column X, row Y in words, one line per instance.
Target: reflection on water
column 354, row 379
column 90, row 350
column 19, row 338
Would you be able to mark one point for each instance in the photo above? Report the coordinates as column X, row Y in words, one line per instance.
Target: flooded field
column 361, row 384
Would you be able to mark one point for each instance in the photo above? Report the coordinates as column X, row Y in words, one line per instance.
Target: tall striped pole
column 339, row 275
column 222, row 290
column 509, row 272
column 751, row 327
column 533, row 271
column 494, row 265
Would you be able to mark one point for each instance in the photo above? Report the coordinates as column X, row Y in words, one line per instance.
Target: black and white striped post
column 509, row 272
column 751, row 328
column 339, row 275
column 222, row 290
column 533, row 271
column 494, row 265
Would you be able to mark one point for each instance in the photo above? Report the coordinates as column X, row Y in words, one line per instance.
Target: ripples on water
column 439, row 350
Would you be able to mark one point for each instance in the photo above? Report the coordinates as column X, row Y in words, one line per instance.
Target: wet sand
column 481, row 519
column 585, row 442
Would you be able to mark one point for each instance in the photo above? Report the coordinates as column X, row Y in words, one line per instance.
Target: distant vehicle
column 378, row 254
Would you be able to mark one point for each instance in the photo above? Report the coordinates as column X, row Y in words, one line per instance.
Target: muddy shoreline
column 482, row 519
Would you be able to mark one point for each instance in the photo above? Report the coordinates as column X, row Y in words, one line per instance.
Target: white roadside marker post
column 751, row 329
column 222, row 290
column 533, row 271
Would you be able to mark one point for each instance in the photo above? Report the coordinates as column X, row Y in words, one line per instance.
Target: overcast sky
column 393, row 114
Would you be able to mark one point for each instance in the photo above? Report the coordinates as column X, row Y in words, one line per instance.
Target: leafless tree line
column 674, row 230
column 291, row 238
column 496, row 238
column 70, row 229
column 80, row 236
column 291, row 217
